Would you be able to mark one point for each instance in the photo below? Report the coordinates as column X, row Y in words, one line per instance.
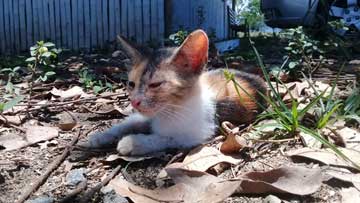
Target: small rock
column 41, row 199
column 272, row 199
column 118, row 54
column 110, row 196
column 75, row 176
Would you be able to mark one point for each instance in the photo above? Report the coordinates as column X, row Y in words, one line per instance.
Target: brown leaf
column 234, row 142
column 345, row 175
column 350, row 195
column 201, row 159
column 15, row 120
column 195, row 186
column 327, row 156
column 70, row 93
column 34, row 134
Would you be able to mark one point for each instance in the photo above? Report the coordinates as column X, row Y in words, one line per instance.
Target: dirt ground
column 21, row 167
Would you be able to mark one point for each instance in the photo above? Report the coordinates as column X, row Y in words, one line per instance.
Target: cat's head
column 166, row 77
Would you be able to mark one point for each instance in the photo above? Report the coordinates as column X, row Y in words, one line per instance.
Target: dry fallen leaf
column 201, row 159
column 15, row 120
column 196, row 186
column 70, row 93
column 344, row 175
column 327, row 156
column 34, row 134
column 350, row 195
column 233, row 142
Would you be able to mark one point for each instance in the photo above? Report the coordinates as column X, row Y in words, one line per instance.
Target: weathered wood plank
column 124, row 18
column 146, row 20
column 105, row 23
column 64, row 30
column 80, row 24
column 138, row 21
column 41, row 21
column 11, row 26
column 22, row 31
column 74, row 24
column 93, row 17
column 87, row 19
column 153, row 20
column 112, row 20
column 29, row 24
column 99, row 23
column 52, row 21
column 2, row 28
column 131, row 19
column 58, row 30
column 118, row 17
column 16, row 25
column 68, row 23
column 7, row 31
column 161, row 20
column 46, row 20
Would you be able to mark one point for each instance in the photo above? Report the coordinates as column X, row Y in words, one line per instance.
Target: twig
column 34, row 186
column 90, row 192
column 275, row 141
column 81, row 187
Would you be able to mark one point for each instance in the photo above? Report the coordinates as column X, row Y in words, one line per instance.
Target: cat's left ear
column 130, row 50
column 192, row 55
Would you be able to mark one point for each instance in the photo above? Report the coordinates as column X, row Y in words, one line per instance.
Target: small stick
column 55, row 164
column 81, row 187
column 275, row 141
column 90, row 192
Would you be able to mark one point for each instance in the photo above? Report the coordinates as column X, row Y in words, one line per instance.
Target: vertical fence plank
column 58, row 30
column 105, row 22
column 118, row 17
column 52, row 21
column 146, row 20
column 124, row 18
column 68, row 23
column 161, row 20
column 80, row 24
column 74, row 24
column 138, row 21
column 64, row 30
column 41, row 24
column 22, row 31
column 131, row 18
column 36, row 16
column 16, row 25
column 99, row 23
column 93, row 10
column 112, row 20
column 2, row 28
column 46, row 20
column 153, row 19
column 87, row 25
column 11, row 25
column 29, row 23
column 7, row 25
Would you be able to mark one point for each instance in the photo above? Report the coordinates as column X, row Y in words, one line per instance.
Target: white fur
column 191, row 125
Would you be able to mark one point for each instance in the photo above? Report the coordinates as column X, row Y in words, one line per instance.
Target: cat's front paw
column 126, row 146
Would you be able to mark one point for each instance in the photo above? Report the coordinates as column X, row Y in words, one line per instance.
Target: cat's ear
column 129, row 50
column 192, row 55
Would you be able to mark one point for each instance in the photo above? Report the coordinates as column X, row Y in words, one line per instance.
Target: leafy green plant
column 287, row 118
column 11, row 73
column 43, row 57
column 178, row 37
column 90, row 81
column 251, row 12
column 9, row 104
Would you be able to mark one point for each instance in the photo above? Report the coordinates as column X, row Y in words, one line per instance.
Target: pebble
column 41, row 199
column 271, row 199
column 75, row 176
column 110, row 196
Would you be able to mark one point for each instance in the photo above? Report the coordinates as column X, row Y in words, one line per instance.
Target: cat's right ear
column 129, row 50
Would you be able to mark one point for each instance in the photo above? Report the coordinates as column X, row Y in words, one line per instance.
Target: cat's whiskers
column 172, row 114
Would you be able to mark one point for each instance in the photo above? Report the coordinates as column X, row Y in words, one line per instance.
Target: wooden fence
column 78, row 24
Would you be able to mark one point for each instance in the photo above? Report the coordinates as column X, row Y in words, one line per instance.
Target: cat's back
column 236, row 105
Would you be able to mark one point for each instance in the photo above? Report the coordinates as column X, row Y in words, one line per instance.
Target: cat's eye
column 130, row 84
column 155, row 84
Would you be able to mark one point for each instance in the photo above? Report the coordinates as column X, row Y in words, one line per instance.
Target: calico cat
column 178, row 104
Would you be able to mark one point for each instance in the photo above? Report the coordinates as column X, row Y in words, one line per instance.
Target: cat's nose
column 135, row 103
